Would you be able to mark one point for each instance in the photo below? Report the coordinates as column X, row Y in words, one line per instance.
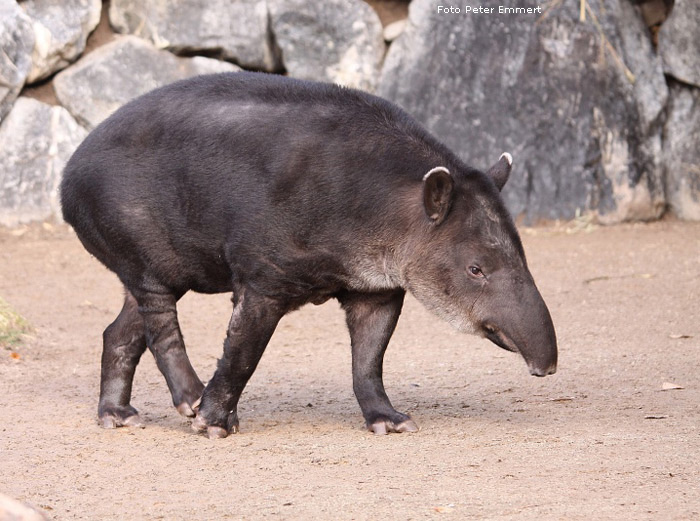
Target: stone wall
column 602, row 115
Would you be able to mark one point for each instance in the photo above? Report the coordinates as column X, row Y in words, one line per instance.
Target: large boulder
column 236, row 31
column 679, row 42
column 335, row 40
column 578, row 104
column 682, row 152
column 16, row 44
column 61, row 28
column 37, row 140
column 115, row 73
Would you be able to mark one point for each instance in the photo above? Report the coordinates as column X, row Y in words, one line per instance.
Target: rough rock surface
column 37, row 140
column 682, row 152
column 555, row 92
column 117, row 72
column 336, row 40
column 237, row 31
column 679, row 42
column 61, row 28
column 16, row 44
column 583, row 106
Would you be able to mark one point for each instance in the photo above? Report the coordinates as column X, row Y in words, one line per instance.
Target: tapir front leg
column 371, row 319
column 252, row 324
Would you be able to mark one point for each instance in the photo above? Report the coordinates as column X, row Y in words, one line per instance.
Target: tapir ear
column 501, row 170
column 437, row 193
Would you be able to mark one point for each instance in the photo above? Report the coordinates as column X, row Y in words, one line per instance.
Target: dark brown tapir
column 287, row 192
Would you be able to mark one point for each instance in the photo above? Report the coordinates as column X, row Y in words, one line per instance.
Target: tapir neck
column 376, row 268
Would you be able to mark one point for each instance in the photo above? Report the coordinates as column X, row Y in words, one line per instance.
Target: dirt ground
column 601, row 439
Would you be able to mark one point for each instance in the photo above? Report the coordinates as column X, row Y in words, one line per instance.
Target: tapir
column 287, row 192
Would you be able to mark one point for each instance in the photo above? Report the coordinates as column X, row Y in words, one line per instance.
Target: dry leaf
column 670, row 386
column 14, row 355
column 445, row 510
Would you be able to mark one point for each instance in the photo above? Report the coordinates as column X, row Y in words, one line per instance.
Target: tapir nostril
column 540, row 372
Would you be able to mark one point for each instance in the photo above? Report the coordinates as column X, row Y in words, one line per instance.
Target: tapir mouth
column 497, row 337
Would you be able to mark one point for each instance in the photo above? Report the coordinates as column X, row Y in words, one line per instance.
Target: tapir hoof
column 386, row 426
column 187, row 410
column 213, row 432
column 113, row 417
column 189, row 400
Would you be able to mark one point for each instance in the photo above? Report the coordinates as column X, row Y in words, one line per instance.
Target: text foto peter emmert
column 478, row 9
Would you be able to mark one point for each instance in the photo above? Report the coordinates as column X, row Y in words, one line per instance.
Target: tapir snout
column 518, row 320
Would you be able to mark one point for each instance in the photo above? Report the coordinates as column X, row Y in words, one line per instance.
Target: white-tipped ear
column 437, row 193
column 501, row 170
column 436, row 169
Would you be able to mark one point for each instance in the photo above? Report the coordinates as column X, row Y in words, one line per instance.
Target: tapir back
column 204, row 172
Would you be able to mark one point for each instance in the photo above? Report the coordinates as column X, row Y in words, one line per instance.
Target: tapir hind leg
column 124, row 341
column 371, row 320
column 164, row 339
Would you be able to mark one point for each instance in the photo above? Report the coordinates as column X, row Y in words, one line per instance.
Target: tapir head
column 469, row 265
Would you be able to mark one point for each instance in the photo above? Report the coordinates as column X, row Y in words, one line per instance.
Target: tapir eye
column 476, row 271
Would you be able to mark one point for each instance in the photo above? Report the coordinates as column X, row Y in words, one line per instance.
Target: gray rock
column 237, row 31
column 123, row 69
column 583, row 124
column 335, row 40
column 682, row 152
column 16, row 44
column 61, row 28
column 679, row 42
column 37, row 140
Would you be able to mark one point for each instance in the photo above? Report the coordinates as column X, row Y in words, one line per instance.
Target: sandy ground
column 598, row 440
